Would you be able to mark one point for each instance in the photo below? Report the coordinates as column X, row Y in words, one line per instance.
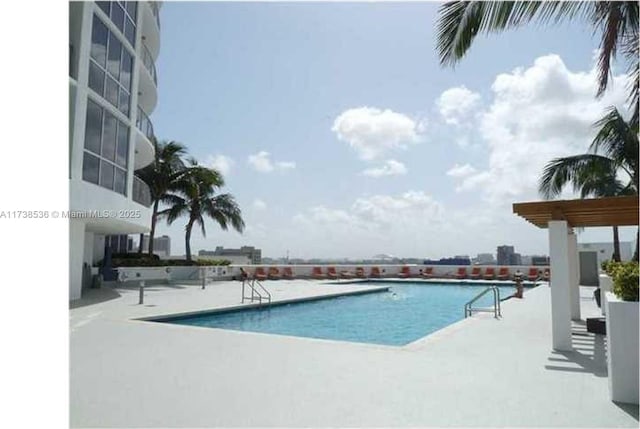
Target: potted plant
column 622, row 333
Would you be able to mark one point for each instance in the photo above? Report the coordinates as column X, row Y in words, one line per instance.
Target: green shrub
column 625, row 281
column 610, row 267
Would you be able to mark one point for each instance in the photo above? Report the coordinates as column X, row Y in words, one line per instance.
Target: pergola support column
column 560, row 285
column 574, row 286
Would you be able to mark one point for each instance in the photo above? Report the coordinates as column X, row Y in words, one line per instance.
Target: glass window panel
column 123, row 145
column 93, row 128
column 99, row 41
column 121, row 181
column 117, row 15
column 130, row 32
column 125, row 69
column 104, row 5
column 111, row 92
column 109, row 137
column 90, row 168
column 132, row 9
column 124, row 102
column 115, row 51
column 106, row 174
column 96, row 78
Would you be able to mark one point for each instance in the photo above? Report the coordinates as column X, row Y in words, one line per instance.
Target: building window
column 110, row 67
column 106, row 148
column 123, row 15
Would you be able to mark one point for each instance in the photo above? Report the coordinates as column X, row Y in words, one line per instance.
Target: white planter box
column 622, row 346
column 606, row 285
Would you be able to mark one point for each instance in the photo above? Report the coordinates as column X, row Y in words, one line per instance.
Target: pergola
column 560, row 217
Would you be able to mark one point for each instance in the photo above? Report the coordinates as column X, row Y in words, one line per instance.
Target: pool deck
column 480, row 372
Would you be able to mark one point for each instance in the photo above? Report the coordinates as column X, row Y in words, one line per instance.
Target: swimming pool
column 405, row 313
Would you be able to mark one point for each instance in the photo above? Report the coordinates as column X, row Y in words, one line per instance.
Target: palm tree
column 459, row 22
column 163, row 177
column 612, row 155
column 196, row 199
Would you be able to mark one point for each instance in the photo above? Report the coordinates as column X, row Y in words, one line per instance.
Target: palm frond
column 578, row 170
column 617, row 140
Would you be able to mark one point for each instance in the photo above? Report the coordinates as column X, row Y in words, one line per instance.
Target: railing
column 155, row 9
column 257, row 291
column 149, row 64
column 468, row 309
column 143, row 123
column 141, row 192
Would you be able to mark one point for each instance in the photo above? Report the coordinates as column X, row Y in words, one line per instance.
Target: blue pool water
column 405, row 313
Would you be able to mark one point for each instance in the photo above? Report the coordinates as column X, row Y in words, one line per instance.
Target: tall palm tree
column 163, row 176
column 613, row 154
column 459, row 22
column 197, row 200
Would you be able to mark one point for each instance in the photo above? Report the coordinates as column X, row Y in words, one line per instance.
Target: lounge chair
column 331, row 273
column 259, row 274
column 476, row 272
column 533, row 274
column 375, row 272
column 360, row 272
column 316, row 273
column 287, row 273
column 274, row 273
column 546, row 276
column 461, row 273
column 428, row 272
column 405, row 272
column 489, row 273
column 346, row 274
column 503, row 274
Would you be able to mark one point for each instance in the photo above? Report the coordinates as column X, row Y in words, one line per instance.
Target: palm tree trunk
column 616, row 245
column 154, row 219
column 187, row 239
column 635, row 254
column 140, row 244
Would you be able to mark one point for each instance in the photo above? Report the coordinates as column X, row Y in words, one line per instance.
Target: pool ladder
column 468, row 309
column 258, row 292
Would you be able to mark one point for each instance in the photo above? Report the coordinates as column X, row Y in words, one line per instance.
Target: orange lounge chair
column 476, row 272
column 346, row 274
column 259, row 274
column 331, row 273
column 489, row 273
column 274, row 273
column 503, row 274
column 461, row 273
column 533, row 274
column 316, row 273
column 546, row 276
column 405, row 272
column 428, row 272
column 360, row 273
column 375, row 272
column 287, row 273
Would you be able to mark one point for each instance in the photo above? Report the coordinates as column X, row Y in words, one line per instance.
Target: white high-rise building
column 112, row 92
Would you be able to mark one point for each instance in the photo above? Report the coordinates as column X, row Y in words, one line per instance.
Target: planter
column 606, row 285
column 622, row 346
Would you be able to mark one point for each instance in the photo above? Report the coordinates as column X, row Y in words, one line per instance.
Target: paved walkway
column 478, row 372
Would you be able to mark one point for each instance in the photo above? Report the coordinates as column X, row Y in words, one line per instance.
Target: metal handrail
column 497, row 311
column 141, row 192
column 144, row 124
column 256, row 295
column 155, row 9
column 150, row 65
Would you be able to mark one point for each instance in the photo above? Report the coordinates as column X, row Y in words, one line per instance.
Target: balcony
column 145, row 149
column 150, row 27
column 144, row 124
column 141, row 193
column 155, row 9
column 149, row 64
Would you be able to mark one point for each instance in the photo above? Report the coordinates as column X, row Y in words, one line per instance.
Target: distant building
column 449, row 261
column 161, row 246
column 508, row 256
column 605, row 250
column 252, row 255
column 540, row 260
column 485, row 259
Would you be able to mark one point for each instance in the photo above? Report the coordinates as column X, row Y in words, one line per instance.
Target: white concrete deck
column 478, row 372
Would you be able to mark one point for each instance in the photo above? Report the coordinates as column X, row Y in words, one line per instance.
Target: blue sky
column 341, row 135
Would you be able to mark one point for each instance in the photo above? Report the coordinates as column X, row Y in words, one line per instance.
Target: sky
column 340, row 135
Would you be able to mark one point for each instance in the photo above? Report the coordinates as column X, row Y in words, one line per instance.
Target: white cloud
column 536, row 114
column 461, row 170
column 262, row 163
column 390, row 168
column 457, row 104
column 221, row 163
column 258, row 204
column 373, row 132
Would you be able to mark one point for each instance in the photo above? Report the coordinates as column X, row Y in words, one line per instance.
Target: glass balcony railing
column 141, row 192
column 149, row 64
column 155, row 8
column 144, row 124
